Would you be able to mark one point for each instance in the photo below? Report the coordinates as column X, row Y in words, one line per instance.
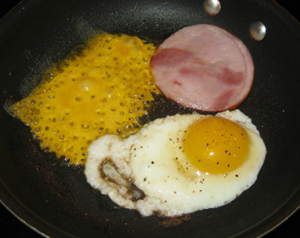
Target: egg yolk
column 216, row 145
column 104, row 89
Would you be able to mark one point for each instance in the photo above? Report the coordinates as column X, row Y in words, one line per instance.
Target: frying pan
column 56, row 201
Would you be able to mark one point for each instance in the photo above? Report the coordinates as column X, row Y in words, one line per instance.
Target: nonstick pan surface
column 58, row 202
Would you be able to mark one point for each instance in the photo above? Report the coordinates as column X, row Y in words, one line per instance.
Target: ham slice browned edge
column 203, row 67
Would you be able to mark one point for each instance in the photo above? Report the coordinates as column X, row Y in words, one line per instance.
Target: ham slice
column 203, row 67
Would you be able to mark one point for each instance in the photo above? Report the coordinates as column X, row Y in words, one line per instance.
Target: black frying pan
column 57, row 201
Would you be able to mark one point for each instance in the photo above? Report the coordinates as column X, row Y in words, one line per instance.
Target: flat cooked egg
column 104, row 89
column 179, row 164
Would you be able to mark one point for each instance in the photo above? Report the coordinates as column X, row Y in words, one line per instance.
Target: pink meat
column 203, row 67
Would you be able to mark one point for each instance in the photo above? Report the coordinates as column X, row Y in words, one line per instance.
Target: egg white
column 154, row 161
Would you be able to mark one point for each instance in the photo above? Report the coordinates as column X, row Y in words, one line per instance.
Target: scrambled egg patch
column 104, row 90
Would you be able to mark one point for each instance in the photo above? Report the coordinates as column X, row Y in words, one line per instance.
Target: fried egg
column 179, row 164
column 106, row 89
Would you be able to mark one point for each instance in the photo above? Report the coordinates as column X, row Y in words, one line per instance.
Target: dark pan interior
column 56, row 199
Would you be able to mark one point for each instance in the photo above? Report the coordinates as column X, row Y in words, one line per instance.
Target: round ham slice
column 203, row 67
